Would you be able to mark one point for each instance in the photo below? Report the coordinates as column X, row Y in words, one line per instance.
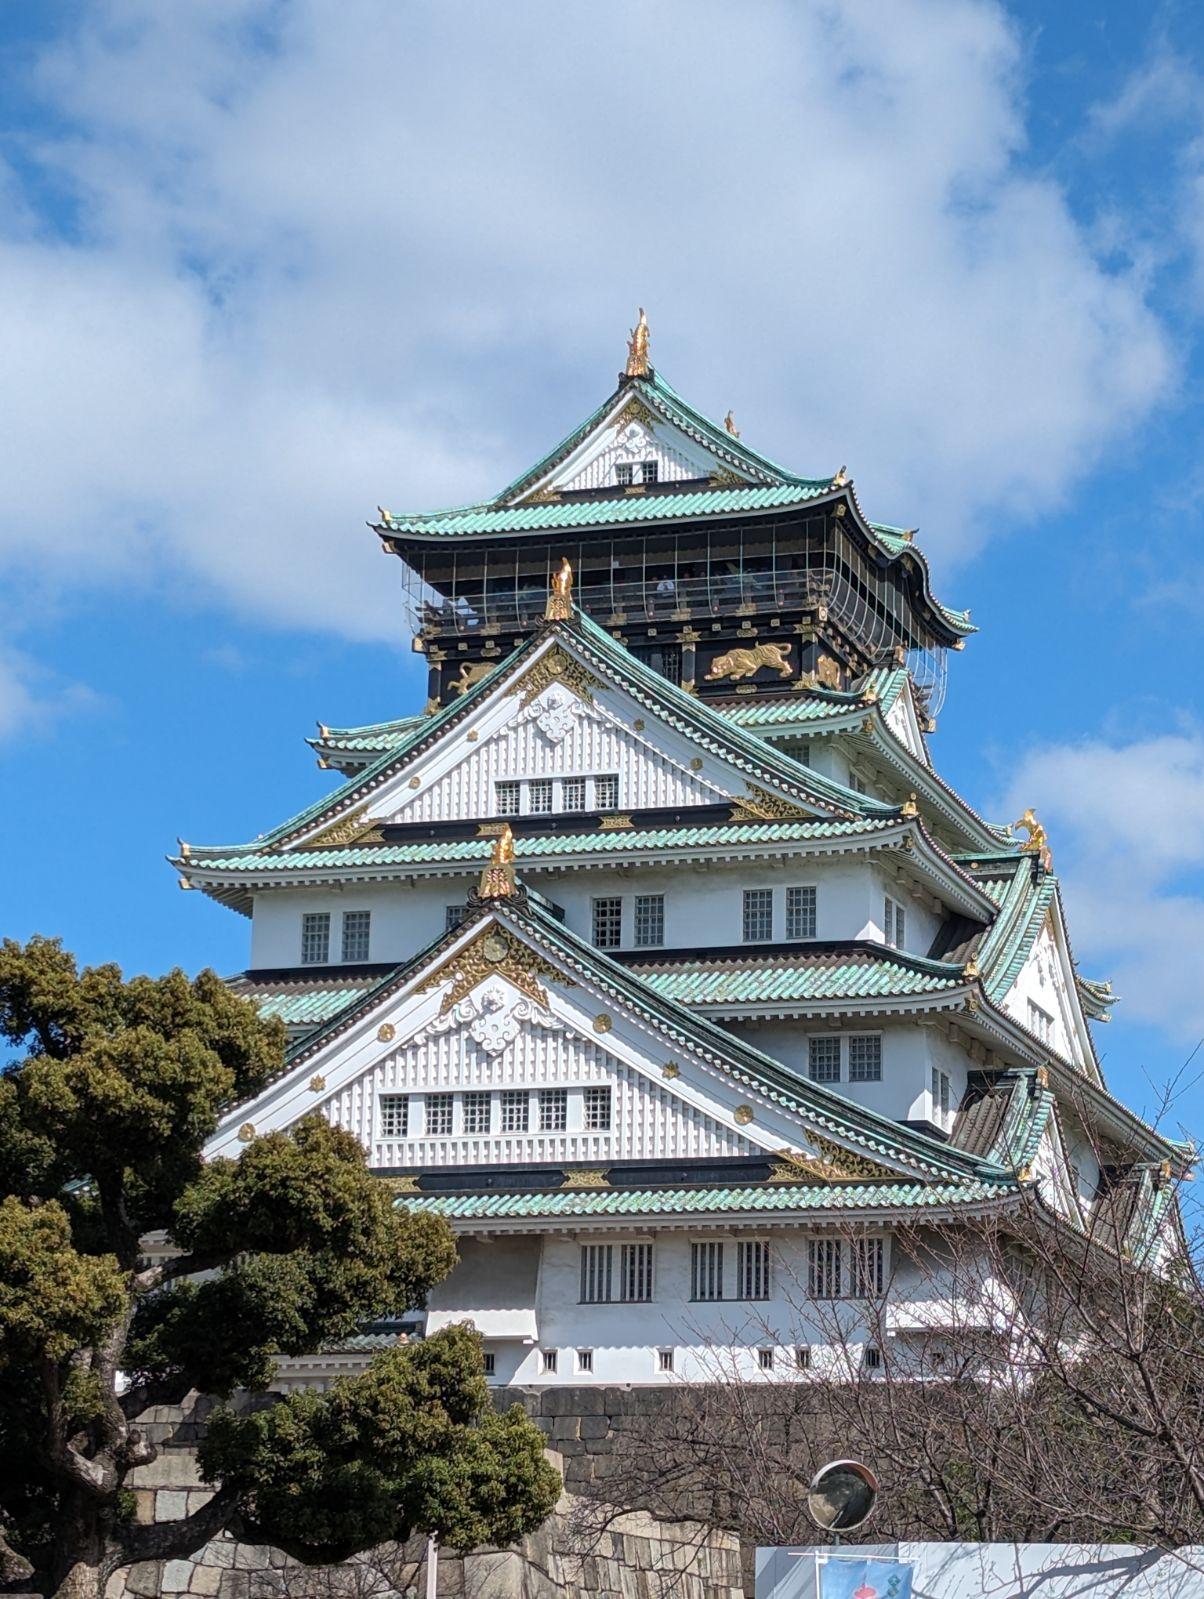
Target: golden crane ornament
column 637, row 349
column 560, row 593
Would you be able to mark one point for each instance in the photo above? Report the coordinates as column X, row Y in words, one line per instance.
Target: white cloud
column 31, row 699
column 1126, row 821
column 321, row 256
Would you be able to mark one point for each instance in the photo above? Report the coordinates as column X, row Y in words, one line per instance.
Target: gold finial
column 560, row 593
column 185, row 849
column 385, row 516
column 841, row 478
column 637, row 349
column 1037, row 842
column 497, row 880
column 729, row 423
column 910, row 807
column 970, row 971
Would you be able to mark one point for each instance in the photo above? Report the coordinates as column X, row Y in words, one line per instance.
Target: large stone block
column 143, row 1579
column 171, row 1504
column 177, row 1574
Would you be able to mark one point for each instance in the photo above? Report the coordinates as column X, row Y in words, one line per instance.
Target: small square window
column 823, row 1060
column 453, row 915
column 507, row 798
column 800, row 913
column 623, row 473
column 477, row 1113
column 664, row 1360
column 649, row 471
column 865, row 1058
column 550, row 1359
column 606, row 792
column 489, row 1362
column 871, row 1358
column 765, row 1359
column 941, row 1096
column 802, row 1357
column 439, row 1115
column 585, row 1360
column 315, row 938
column 356, row 934
column 394, row 1115
column 608, row 922
column 572, row 794
column 649, row 920
column 597, row 1110
column 539, row 796
column 516, row 1110
column 553, row 1110
column 758, row 915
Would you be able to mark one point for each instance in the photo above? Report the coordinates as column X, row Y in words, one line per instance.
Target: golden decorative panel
column 353, row 829
column 759, row 805
column 635, row 411
column 670, row 1070
column 615, row 823
column 492, row 953
column 584, row 1177
column 386, row 1032
column 842, row 1165
column 557, row 666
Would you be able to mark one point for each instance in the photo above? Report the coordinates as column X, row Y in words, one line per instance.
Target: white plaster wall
column 1044, row 980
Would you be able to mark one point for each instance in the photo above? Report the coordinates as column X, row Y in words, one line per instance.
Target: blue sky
column 264, row 266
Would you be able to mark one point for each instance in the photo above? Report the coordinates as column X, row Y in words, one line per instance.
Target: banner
column 854, row 1578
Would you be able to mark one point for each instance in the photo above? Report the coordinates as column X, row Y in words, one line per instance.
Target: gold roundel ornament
column 495, row 949
column 744, row 1114
column 246, row 1132
column 603, row 1023
column 386, row 1032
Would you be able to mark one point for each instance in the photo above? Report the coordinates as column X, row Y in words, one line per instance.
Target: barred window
column 489, row 1363
column 867, row 1263
column 477, row 1113
column 649, row 471
column 635, row 1272
column 800, row 913
column 941, row 1096
column 894, row 923
column 315, row 938
column 802, row 1357
column 823, row 1060
column 572, row 794
column 871, row 1358
column 597, row 1110
column 356, row 933
column 550, row 1359
column 1040, row 1022
column 649, row 920
column 608, row 923
column 506, row 798
column 585, row 1360
column 439, row 1115
column 865, row 1058
column 664, row 1360
column 597, row 1262
column 393, row 1115
column 758, row 915
column 824, row 1263
column 516, row 1110
column 765, row 1359
column 553, row 1110
column 706, row 1271
column 752, row 1269
column 453, row 915
column 623, row 473
column 606, row 791
column 539, row 796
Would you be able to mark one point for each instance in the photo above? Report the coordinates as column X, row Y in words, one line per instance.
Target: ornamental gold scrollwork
column 584, row 1177
column 556, row 666
column 759, row 805
column 842, row 1165
column 353, row 829
column 493, row 953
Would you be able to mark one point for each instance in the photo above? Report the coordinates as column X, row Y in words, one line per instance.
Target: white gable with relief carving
column 631, row 435
column 1044, row 997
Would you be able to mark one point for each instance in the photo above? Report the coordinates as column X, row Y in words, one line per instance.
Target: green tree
column 132, row 1272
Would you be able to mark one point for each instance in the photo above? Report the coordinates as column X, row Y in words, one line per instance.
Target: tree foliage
column 104, row 1113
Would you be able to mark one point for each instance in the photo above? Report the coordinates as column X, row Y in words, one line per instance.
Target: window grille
column 824, row 1265
column 865, row 1059
column 585, row 1360
column 438, row 1115
column 597, row 1110
column 664, row 659
column 894, row 923
column 635, row 1272
column 572, row 794
column 453, row 915
column 516, row 1110
column 823, row 1060
column 394, row 1115
column 489, row 1362
column 506, row 798
column 315, row 938
column 623, row 473
column 550, row 1359
column 752, row 1269
column 597, row 1261
column 539, row 796
column 356, row 935
column 802, row 1357
column 608, row 923
column 649, row 471
column 941, row 1096
column 553, row 1110
column 706, row 1271
column 867, row 1267
column 606, row 791
column 765, row 1359
column 477, row 1113
column 1040, row 1022
column 871, row 1358
column 664, row 1360
column 649, row 920
column 800, row 913
column 758, row 915
column 600, row 1284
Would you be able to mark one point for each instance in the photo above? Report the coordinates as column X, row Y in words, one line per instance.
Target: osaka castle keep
column 652, row 951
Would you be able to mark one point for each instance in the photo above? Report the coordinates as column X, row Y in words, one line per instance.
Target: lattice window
column 585, row 1360
column 597, row 1110
column 439, row 1111
column 664, row 1360
column 572, row 794
column 624, row 473
column 489, row 1363
column 507, row 798
column 315, row 938
column 865, row 1058
column 758, row 915
column 606, row 791
column 752, row 1269
column 357, row 930
column 478, row 1109
column 706, row 1270
column 551, row 1360
column 453, row 915
column 871, row 1358
column 765, row 1359
column 941, row 1090
column 867, row 1267
column 894, row 923
column 824, row 1268
column 1040, row 1022
column 649, row 920
column 802, row 1357
column 539, row 796
column 516, row 1110
column 823, row 1060
column 635, row 1272
column 800, row 912
column 597, row 1273
column 393, row 1115
column 553, row 1110
column 649, row 471
column 608, row 923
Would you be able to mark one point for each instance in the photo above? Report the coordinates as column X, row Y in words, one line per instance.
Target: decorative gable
column 632, row 436
column 1044, row 997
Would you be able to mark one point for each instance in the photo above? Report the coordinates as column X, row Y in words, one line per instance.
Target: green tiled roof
column 762, row 1199
column 369, row 739
column 306, row 1008
column 799, row 979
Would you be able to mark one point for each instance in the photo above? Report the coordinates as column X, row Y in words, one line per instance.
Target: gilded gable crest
column 556, row 666
column 493, row 953
column 353, row 829
column 759, row 805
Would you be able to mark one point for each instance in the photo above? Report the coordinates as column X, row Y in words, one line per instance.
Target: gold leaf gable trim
column 584, row 1177
column 353, row 829
column 759, row 805
column 493, row 953
column 557, row 666
column 635, row 411
column 845, row 1166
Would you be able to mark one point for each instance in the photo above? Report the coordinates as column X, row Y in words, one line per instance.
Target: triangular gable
column 1045, row 986
column 903, row 719
column 513, row 1002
